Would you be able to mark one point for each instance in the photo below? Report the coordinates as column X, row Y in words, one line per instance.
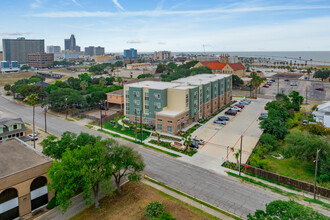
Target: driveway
column 219, row 137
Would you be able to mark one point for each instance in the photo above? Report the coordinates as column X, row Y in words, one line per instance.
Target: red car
column 240, row 106
column 266, row 86
column 319, row 89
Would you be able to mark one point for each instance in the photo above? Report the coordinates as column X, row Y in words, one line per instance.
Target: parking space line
column 242, row 134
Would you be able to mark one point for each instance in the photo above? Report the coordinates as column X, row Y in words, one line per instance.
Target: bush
column 154, row 210
column 317, row 129
column 166, row 216
column 269, row 141
column 291, row 123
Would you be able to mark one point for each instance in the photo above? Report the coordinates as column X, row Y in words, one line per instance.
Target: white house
column 322, row 114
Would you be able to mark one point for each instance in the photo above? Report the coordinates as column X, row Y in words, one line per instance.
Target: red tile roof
column 236, row 66
column 214, row 65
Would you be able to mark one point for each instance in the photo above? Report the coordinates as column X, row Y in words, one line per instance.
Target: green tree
column 145, row 75
column 110, row 80
column 309, row 71
column 103, row 81
column 236, row 155
column 322, row 74
column 74, row 83
column 84, row 85
column 13, row 90
column 255, row 82
column 274, row 126
column 7, row 87
column 171, row 67
column 126, row 162
column 119, row 80
column 237, row 81
column 160, row 68
column 36, row 78
column 87, row 168
column 286, row 210
column 56, row 99
column 296, row 100
column 84, row 77
column 25, row 67
column 32, row 100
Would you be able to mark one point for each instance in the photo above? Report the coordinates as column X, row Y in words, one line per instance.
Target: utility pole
column 135, row 125
column 306, row 95
column 278, row 85
column 46, row 108
column 227, row 154
column 66, row 104
column 101, row 114
column 317, row 157
column 141, row 125
column 34, row 128
column 240, row 156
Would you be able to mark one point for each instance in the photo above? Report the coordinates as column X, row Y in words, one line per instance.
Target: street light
column 66, row 105
column 46, row 109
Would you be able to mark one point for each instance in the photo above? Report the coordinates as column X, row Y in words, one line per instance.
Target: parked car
column 263, row 115
column 304, row 122
column 220, row 122
column 194, row 144
column 223, row 118
column 319, row 89
column 265, row 86
column 286, row 80
column 239, row 106
column 199, row 141
column 230, row 112
column 293, row 84
column 235, row 108
column 243, row 103
column 272, row 80
column 268, row 84
column 33, row 137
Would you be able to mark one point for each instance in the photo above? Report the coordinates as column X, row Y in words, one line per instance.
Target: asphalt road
column 222, row 191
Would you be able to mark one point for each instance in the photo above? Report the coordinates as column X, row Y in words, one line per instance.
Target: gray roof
column 16, row 156
column 6, row 122
column 42, row 83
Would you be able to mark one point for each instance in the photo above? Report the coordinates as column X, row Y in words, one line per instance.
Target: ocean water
column 316, row 57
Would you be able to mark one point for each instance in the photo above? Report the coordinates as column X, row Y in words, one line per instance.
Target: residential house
column 322, row 114
column 11, row 127
column 226, row 68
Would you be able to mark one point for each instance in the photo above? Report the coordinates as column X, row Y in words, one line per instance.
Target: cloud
column 136, row 41
column 152, row 13
column 118, row 5
column 18, row 33
column 161, row 43
column 36, row 4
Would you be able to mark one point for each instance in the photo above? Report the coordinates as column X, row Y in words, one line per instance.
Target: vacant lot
column 10, row 78
column 131, row 205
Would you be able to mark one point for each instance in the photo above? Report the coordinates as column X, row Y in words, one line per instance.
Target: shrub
column 52, row 203
column 269, row 141
column 317, row 129
column 291, row 123
column 166, row 216
column 154, row 210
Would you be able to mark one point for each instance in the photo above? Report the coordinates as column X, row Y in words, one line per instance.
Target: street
column 222, row 191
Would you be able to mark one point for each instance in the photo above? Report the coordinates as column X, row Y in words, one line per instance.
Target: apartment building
column 162, row 55
column 172, row 106
column 41, row 60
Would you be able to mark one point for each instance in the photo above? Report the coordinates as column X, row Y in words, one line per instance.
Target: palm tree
column 103, row 81
column 158, row 136
column 32, row 100
column 84, row 85
column 236, row 155
column 119, row 80
column 116, row 120
column 188, row 142
column 13, row 90
column 309, row 71
column 255, row 82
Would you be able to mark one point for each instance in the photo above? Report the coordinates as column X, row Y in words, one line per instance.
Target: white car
column 31, row 136
column 236, row 109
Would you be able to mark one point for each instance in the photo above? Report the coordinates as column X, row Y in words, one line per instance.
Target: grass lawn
column 293, row 168
column 10, row 78
column 127, row 131
column 131, row 205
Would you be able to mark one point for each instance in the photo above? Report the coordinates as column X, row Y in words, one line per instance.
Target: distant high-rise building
column 5, row 65
column 54, row 49
column 99, row 51
column 18, row 49
column 162, row 55
column 70, row 44
column 14, row 64
column 94, row 51
column 41, row 60
column 130, row 54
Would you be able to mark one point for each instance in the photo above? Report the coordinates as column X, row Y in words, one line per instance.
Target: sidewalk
column 187, row 200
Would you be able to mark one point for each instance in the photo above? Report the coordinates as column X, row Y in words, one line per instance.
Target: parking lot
column 219, row 138
column 302, row 86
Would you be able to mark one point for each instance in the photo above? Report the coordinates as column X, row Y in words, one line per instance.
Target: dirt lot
column 10, row 78
column 131, row 205
column 96, row 112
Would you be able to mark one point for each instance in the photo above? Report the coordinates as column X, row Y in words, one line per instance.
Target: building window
column 15, row 127
column 169, row 129
column 160, row 120
column 187, row 113
column 178, row 128
column 146, row 94
column 157, row 105
column 170, row 122
column 187, row 100
column 159, row 127
column 157, row 96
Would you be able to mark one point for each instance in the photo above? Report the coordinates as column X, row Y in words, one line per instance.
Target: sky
column 176, row 25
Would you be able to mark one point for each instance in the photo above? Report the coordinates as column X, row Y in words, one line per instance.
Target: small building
column 103, row 58
column 11, row 127
column 116, row 97
column 322, row 114
column 226, row 68
column 23, row 179
column 41, row 60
